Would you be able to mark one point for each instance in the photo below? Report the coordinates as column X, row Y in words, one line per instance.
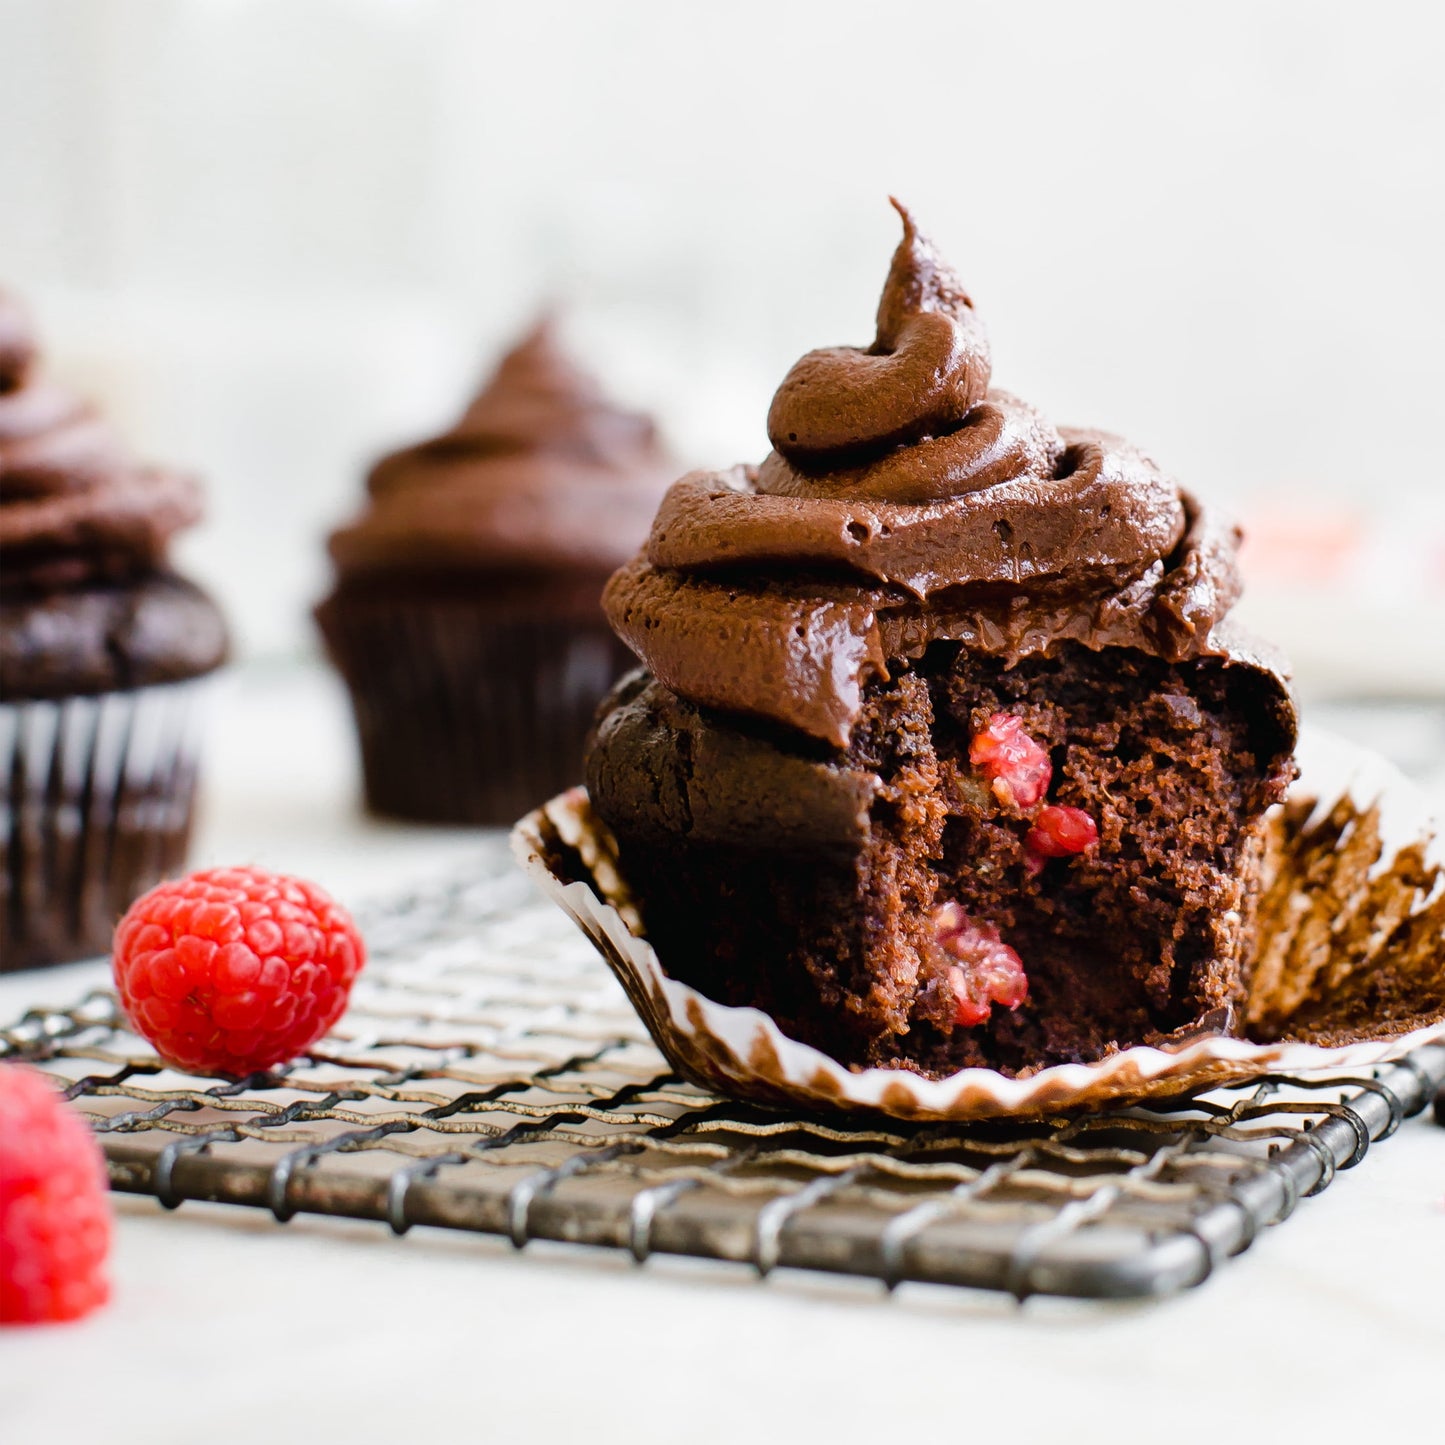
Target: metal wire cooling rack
column 490, row 1076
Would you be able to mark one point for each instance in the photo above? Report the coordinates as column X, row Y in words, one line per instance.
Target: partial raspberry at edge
column 54, row 1214
column 233, row 970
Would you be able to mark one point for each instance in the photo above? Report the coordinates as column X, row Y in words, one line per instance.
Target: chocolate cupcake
column 466, row 616
column 947, row 753
column 101, row 650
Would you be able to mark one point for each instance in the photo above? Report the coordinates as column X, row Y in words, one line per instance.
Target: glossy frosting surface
column 907, row 502
column 74, row 506
column 541, row 471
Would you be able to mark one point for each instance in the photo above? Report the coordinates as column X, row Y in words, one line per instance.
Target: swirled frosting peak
column 541, row 470
column 842, row 408
column 907, row 502
column 73, row 505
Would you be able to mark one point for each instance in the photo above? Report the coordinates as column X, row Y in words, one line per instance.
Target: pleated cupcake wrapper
column 464, row 716
column 95, row 808
column 1357, row 882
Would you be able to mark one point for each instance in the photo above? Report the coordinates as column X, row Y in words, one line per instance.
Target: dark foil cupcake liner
column 95, row 808
column 467, row 713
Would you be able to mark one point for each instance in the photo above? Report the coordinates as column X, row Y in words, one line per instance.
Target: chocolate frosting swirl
column 541, row 471
column 74, row 506
column 906, row 503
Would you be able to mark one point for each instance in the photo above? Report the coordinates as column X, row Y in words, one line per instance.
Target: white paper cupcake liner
column 95, row 807
column 1382, row 879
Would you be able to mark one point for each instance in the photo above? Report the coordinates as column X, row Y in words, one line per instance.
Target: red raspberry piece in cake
column 1059, row 831
column 235, row 969
column 1017, row 767
column 54, row 1214
column 988, row 971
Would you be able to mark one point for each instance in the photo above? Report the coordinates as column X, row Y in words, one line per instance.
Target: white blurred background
column 276, row 236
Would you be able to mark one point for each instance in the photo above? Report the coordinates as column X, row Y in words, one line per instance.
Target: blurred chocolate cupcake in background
column 102, row 649
column 466, row 617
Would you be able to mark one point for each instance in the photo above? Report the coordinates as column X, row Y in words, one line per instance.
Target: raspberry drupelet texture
column 232, row 970
column 1059, row 831
column 1018, row 769
column 986, row 971
column 54, row 1215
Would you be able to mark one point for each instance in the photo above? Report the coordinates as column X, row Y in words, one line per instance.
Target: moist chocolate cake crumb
column 1130, row 941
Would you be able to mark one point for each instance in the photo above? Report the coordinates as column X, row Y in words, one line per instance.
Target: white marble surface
column 226, row 1326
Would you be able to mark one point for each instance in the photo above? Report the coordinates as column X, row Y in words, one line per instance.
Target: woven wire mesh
column 491, row 1076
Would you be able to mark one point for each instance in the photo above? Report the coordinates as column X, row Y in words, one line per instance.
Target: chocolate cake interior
column 847, row 945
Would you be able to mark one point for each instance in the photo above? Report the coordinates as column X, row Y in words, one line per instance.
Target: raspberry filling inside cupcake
column 961, row 928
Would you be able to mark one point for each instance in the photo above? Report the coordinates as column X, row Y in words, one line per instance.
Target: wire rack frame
column 490, row 1076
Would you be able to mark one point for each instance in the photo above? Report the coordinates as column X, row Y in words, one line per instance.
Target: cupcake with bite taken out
column 102, row 651
column 466, row 616
column 946, row 752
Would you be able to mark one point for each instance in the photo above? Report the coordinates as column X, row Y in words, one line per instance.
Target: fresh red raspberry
column 54, row 1215
column 1018, row 768
column 1057, row 832
column 988, row 971
column 231, row 970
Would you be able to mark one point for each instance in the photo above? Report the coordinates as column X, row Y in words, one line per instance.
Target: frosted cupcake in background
column 466, row 616
column 102, row 647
